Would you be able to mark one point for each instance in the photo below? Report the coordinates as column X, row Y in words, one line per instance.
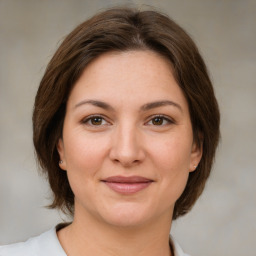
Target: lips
column 127, row 185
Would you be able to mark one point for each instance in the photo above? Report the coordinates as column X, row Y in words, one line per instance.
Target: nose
column 127, row 146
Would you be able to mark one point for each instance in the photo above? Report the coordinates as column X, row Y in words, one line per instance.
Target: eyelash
column 163, row 118
column 88, row 120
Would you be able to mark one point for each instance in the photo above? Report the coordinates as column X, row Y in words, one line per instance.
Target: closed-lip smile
column 127, row 185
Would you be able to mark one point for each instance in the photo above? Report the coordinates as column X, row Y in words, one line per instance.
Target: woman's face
column 127, row 141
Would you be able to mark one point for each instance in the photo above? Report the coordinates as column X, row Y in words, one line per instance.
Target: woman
column 126, row 126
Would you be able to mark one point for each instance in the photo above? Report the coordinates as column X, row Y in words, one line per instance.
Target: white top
column 47, row 244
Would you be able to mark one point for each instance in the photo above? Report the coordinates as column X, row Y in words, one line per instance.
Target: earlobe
column 196, row 155
column 60, row 148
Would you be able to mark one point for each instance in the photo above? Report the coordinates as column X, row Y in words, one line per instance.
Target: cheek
column 84, row 154
column 84, row 161
column 172, row 160
column 173, row 154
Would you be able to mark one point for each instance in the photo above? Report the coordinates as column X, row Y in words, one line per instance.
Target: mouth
column 127, row 185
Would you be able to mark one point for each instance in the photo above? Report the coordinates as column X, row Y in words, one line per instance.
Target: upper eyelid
column 87, row 118
column 166, row 117
column 161, row 116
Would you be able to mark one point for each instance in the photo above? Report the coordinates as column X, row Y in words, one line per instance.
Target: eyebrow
column 157, row 104
column 145, row 107
column 96, row 103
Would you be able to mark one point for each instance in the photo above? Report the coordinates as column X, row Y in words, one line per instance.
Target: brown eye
column 157, row 120
column 96, row 120
column 160, row 120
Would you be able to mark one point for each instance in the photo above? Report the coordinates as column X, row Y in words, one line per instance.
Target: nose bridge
column 126, row 144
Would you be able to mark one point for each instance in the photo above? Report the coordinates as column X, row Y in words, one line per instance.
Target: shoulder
column 177, row 249
column 42, row 245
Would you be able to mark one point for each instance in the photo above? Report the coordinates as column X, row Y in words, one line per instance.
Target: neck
column 86, row 236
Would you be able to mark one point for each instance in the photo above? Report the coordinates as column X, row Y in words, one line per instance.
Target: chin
column 125, row 221
column 129, row 215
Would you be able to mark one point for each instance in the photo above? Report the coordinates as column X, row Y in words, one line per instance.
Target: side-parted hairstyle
column 120, row 30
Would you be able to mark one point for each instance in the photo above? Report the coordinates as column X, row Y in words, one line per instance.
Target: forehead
column 139, row 62
column 135, row 75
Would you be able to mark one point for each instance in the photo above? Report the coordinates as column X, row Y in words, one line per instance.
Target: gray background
column 223, row 220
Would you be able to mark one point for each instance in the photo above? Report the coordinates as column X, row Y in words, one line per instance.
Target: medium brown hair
column 124, row 29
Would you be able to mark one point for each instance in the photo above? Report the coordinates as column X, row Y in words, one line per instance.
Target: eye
column 160, row 120
column 95, row 121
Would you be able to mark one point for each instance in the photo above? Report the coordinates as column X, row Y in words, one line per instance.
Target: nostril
column 126, row 163
column 126, row 149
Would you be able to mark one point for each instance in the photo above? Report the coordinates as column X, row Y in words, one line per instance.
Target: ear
column 61, row 151
column 196, row 155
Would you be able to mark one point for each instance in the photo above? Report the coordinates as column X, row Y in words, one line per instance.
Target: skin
column 130, row 137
